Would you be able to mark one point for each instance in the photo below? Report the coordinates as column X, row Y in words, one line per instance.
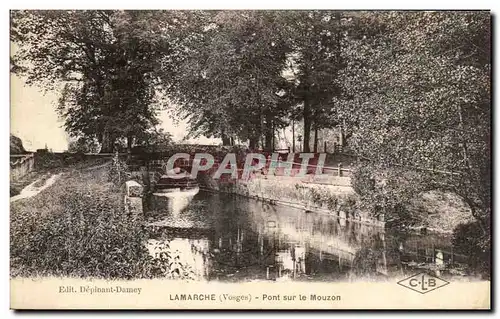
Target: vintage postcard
column 250, row 159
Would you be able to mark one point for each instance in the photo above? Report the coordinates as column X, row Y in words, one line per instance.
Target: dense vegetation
column 16, row 145
column 78, row 228
column 409, row 91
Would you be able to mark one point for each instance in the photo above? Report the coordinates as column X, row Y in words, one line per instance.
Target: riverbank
column 44, row 171
column 337, row 199
column 436, row 212
column 440, row 212
column 77, row 228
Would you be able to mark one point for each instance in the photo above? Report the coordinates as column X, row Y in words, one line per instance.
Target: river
column 231, row 238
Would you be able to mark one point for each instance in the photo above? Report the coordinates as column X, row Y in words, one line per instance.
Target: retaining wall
column 339, row 201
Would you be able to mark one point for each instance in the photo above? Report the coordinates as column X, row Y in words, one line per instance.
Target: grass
column 43, row 173
column 77, row 228
column 16, row 186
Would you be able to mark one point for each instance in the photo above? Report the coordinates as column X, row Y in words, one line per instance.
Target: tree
column 229, row 83
column 154, row 140
column 16, row 145
column 84, row 145
column 315, row 38
column 422, row 100
column 105, row 60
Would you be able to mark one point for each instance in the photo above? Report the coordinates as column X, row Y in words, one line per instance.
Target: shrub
column 474, row 242
column 118, row 171
column 388, row 191
column 14, row 190
column 84, row 233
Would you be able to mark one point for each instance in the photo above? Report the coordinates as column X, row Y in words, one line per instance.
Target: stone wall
column 339, row 201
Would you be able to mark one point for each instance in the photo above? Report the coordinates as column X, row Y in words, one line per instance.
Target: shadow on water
column 231, row 238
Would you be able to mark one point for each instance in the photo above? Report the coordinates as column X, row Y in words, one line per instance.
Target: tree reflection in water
column 233, row 238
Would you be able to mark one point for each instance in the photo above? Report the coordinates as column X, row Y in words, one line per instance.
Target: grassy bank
column 46, row 168
column 77, row 228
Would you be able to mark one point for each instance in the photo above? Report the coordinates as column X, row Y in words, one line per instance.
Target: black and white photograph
column 250, row 159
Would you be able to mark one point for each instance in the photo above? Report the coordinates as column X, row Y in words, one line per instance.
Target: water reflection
column 222, row 237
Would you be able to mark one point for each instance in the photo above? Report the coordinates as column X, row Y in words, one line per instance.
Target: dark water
column 231, row 238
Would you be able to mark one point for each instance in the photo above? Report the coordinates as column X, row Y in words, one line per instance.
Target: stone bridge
column 155, row 163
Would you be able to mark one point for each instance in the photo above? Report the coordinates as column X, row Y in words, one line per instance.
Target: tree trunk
column 253, row 143
column 315, row 140
column 273, row 139
column 268, row 137
column 293, row 136
column 107, row 143
column 130, row 139
column 226, row 140
column 344, row 136
column 307, row 126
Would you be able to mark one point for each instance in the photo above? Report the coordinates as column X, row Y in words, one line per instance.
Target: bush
column 388, row 191
column 14, row 191
column 84, row 234
column 118, row 172
column 474, row 242
column 47, row 160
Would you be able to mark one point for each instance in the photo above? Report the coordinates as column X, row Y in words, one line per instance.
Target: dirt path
column 32, row 190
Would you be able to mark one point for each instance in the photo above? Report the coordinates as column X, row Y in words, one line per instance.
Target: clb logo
column 423, row 283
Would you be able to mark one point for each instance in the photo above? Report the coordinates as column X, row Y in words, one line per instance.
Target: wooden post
column 452, row 255
column 324, row 143
column 293, row 135
column 339, row 170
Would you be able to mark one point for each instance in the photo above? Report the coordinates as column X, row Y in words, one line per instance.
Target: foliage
column 96, row 57
column 389, row 192
column 153, row 140
column 78, row 229
column 16, row 145
column 229, row 80
column 433, row 117
column 49, row 160
column 118, row 171
column 14, row 190
column 315, row 38
column 471, row 241
column 84, row 145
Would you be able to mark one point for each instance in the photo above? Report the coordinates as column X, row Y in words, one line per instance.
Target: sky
column 34, row 119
